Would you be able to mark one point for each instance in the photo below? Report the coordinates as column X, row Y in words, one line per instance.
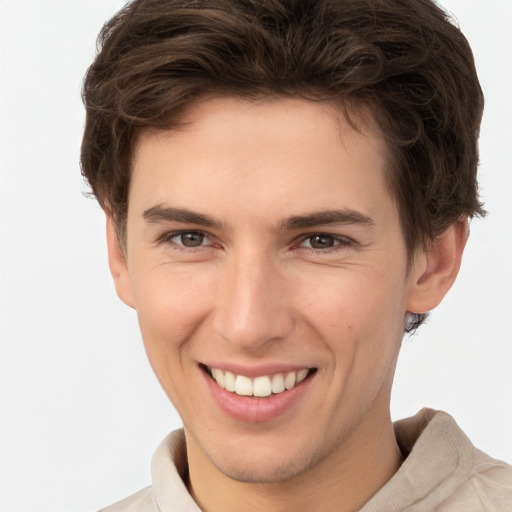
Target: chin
column 266, row 473
column 264, row 468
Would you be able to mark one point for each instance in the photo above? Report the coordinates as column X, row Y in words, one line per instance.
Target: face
column 264, row 252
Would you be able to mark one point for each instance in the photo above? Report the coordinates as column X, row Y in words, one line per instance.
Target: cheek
column 360, row 317
column 355, row 300
column 170, row 308
column 167, row 300
column 361, row 324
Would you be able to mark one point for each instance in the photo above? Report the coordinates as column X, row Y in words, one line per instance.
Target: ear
column 435, row 269
column 118, row 265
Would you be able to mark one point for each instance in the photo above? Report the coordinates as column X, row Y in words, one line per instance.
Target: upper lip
column 253, row 371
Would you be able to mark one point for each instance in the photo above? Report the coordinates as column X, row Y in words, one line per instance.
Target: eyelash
column 338, row 241
column 167, row 238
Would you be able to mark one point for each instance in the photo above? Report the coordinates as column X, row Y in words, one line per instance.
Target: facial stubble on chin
column 242, row 470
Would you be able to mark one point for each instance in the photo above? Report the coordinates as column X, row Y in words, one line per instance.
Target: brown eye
column 191, row 239
column 321, row 241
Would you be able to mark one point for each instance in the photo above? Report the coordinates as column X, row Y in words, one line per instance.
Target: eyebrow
column 162, row 213
column 325, row 217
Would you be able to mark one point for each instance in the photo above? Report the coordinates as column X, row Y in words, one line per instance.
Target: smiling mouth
column 259, row 387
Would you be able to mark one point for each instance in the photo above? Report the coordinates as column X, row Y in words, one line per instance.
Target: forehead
column 266, row 155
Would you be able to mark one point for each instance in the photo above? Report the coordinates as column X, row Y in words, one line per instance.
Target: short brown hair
column 403, row 60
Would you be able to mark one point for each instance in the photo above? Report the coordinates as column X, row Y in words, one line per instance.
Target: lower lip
column 254, row 409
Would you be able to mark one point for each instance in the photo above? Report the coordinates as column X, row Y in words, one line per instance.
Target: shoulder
column 488, row 487
column 142, row 501
column 471, row 480
column 442, row 471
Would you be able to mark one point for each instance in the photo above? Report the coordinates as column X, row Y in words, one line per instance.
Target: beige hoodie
column 442, row 472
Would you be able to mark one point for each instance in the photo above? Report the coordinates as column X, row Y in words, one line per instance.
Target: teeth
column 278, row 383
column 229, row 381
column 301, row 376
column 290, row 380
column 263, row 386
column 243, row 386
column 218, row 375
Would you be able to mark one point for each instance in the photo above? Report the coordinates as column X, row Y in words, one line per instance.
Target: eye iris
column 321, row 241
column 192, row 239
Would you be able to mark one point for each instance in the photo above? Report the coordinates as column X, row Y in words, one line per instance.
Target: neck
column 343, row 481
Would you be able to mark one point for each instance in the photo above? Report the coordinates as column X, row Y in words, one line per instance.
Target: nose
column 253, row 303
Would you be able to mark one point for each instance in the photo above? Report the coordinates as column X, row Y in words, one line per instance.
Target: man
column 287, row 188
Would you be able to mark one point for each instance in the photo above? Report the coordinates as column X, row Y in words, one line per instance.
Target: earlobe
column 118, row 265
column 435, row 269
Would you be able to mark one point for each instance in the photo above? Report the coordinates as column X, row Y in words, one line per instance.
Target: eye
column 324, row 241
column 188, row 239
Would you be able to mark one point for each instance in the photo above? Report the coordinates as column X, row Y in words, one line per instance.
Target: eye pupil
column 321, row 241
column 192, row 239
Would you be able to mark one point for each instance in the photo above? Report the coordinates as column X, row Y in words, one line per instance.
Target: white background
column 80, row 411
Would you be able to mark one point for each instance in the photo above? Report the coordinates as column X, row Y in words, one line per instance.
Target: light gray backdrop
column 80, row 411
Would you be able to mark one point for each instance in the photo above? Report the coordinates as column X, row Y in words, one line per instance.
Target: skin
column 259, row 290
